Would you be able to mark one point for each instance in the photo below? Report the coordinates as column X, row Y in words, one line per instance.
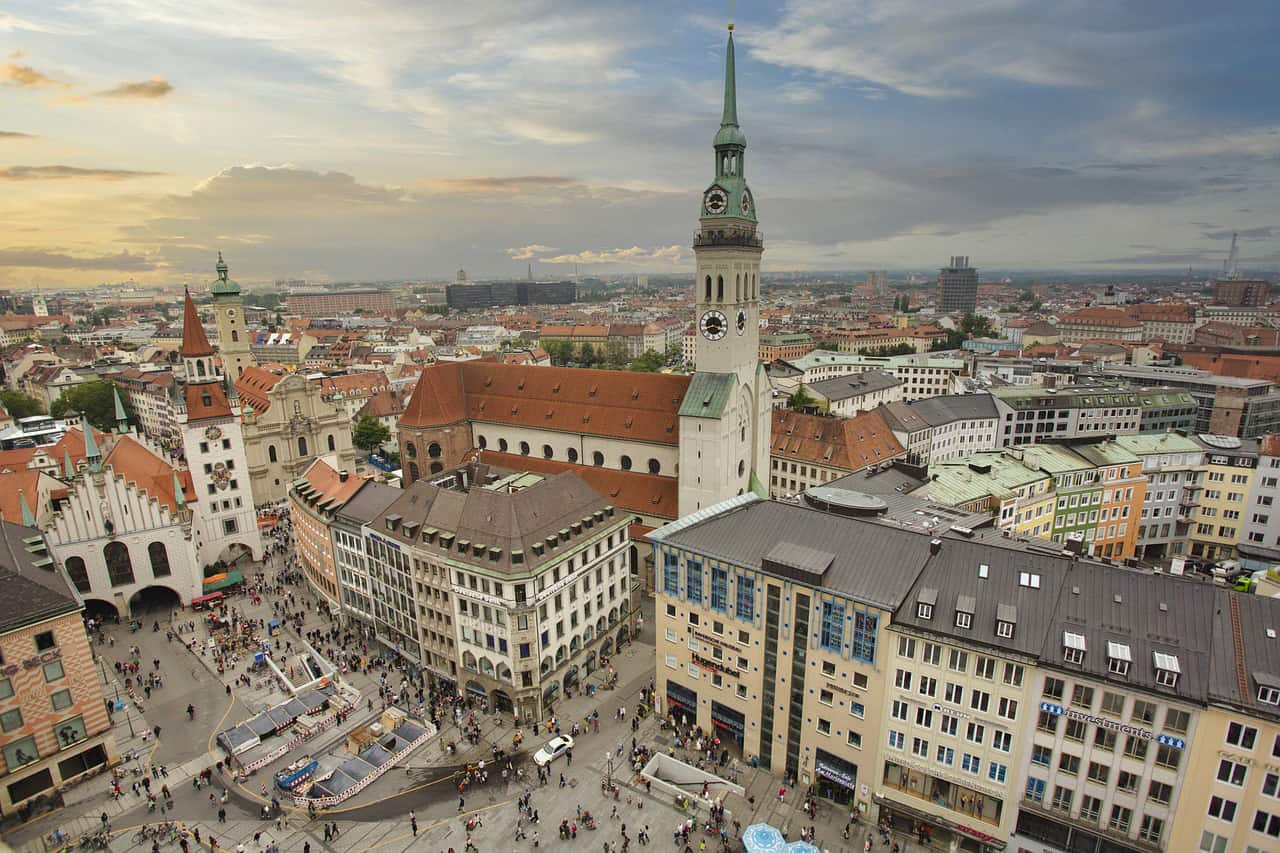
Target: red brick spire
column 195, row 342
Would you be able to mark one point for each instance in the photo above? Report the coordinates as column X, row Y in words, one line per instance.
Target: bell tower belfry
column 726, row 417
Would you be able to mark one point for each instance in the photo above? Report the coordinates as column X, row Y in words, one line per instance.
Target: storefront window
column 70, row 731
column 20, row 753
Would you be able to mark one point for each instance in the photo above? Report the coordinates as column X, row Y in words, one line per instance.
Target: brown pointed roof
column 194, row 341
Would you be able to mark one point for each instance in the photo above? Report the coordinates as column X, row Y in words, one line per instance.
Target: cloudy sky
column 404, row 139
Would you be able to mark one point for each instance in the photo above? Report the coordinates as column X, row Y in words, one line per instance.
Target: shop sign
column 835, row 774
column 950, row 712
column 837, row 688
column 1123, row 728
column 33, row 662
column 708, row 663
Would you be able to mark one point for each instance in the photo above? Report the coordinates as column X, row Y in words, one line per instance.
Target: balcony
column 746, row 237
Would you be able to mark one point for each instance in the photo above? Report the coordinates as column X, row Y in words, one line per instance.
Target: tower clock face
column 742, row 321
column 231, row 312
column 716, row 201
column 713, row 325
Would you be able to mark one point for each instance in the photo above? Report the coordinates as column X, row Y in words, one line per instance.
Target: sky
column 406, row 139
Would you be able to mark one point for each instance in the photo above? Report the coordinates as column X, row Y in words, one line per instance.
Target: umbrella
column 763, row 838
column 800, row 847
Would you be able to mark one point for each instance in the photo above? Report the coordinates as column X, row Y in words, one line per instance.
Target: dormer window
column 1004, row 629
column 924, row 611
column 1029, row 580
column 965, row 605
column 926, row 602
column 1119, row 658
column 1006, row 619
column 1073, row 647
column 1268, row 695
column 1167, row 669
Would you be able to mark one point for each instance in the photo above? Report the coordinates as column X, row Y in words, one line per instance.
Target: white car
column 554, row 748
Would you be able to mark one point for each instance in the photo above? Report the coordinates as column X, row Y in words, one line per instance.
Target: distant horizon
column 371, row 142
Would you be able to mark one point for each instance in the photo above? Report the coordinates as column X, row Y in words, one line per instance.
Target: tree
column 971, row 326
column 95, row 399
column 675, row 352
column 369, row 434
column 648, row 361
column 801, row 399
column 587, row 354
column 20, row 405
column 559, row 350
column 615, row 354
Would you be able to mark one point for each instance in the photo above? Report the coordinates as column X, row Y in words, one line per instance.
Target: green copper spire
column 730, row 115
column 92, row 454
column 178, row 496
column 28, row 520
column 122, row 420
column 221, row 267
column 223, row 286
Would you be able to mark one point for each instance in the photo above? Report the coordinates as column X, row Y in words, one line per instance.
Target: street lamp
column 608, row 772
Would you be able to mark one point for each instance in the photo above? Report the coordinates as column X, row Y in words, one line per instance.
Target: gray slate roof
column 1236, row 682
column 31, row 593
column 1148, row 613
column 854, row 385
column 937, row 411
column 368, row 502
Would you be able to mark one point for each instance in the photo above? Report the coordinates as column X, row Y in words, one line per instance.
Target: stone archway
column 606, row 647
column 154, row 599
column 501, row 702
column 101, row 609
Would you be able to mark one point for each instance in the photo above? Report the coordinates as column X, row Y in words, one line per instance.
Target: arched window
column 119, row 566
column 271, row 452
column 200, row 368
column 597, row 459
column 655, row 467
column 547, row 452
column 302, row 445
column 410, row 450
column 524, row 448
column 624, row 462
column 737, row 288
column 433, row 450
column 235, row 336
column 720, row 288
column 502, row 445
column 483, row 442
column 742, row 467
column 78, row 573
column 332, row 445
column 708, row 299
column 413, row 472
column 436, row 467
column 573, row 454
column 159, row 560
column 755, row 286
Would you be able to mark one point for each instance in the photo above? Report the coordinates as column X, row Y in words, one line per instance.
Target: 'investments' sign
column 1123, row 728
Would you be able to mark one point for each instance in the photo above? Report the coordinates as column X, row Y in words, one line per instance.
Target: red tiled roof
column 206, row 400
column 638, row 406
column 848, row 443
column 1099, row 317
column 254, row 384
column 24, row 480
column 381, row 405
column 139, row 465
column 72, row 443
column 644, row 494
column 194, row 341
column 326, row 480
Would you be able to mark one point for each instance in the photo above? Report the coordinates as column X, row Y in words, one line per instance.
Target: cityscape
column 347, row 513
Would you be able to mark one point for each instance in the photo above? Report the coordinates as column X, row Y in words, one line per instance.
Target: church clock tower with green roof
column 726, row 414
column 233, row 341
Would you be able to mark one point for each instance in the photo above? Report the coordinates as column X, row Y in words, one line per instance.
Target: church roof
column 636, row 406
column 707, row 396
column 849, row 443
column 207, row 400
column 223, row 286
column 254, row 384
column 194, row 341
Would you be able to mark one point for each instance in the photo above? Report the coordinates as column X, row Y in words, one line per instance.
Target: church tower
column 224, row 522
column 725, row 418
column 233, row 343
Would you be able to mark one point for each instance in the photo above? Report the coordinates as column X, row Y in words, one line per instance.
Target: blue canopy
column 801, row 847
column 763, row 838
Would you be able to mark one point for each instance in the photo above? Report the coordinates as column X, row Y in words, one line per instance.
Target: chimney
column 343, row 475
column 935, row 545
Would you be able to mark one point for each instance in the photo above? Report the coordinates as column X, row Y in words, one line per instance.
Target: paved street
column 424, row 783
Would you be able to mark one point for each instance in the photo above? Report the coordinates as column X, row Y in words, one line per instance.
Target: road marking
column 435, row 824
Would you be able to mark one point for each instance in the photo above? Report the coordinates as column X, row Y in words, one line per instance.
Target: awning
column 1073, row 641
column 222, row 581
column 1167, row 662
column 1118, row 651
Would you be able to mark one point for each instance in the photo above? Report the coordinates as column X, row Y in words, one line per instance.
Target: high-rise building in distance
column 463, row 294
column 958, row 287
column 1241, row 291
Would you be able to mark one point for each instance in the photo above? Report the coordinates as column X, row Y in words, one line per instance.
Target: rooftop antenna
column 731, row 15
column 1229, row 266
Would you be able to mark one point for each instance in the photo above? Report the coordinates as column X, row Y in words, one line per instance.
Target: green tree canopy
column 370, row 433
column 20, row 405
column 647, row 362
column 95, row 400
column 801, row 399
column 615, row 354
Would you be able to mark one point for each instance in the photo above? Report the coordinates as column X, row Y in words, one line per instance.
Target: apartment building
column 785, row 345
column 809, row 450
column 340, row 303
column 860, row 392
column 1225, row 405
column 1231, row 794
column 1173, row 323
column 1220, row 513
column 1171, row 464
column 153, row 395
column 1165, row 410
column 1121, row 679
column 54, row 728
column 940, row 428
column 1030, row 414
column 530, row 571
column 963, row 651
column 1088, row 324
column 1259, row 547
column 351, row 560
column 313, row 499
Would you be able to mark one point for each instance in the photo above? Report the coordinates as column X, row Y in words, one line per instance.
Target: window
column 11, row 720
column 61, row 700
column 1062, row 798
column 1002, row 741
column 928, row 686
column 671, row 573
column 946, row 755
column 1232, row 773
column 1068, row 763
column 6, row 688
column 1098, row 772
column 906, row 647
column 958, row 661
column 271, row 452
column 964, row 620
column 924, row 718
column 1135, row 747
column 1241, row 735
column 159, row 560
column 997, row 772
column 119, row 566
column 920, row 747
column 1090, row 808
column 1013, row 673
column 948, row 725
column 975, row 733
column 1113, row 704
column 1054, row 688
column 1167, row 756
column 20, row 753
column 1082, row 696
column 1221, row 808
column 857, row 709
column 864, row 636
column 1104, row 739
column 985, row 668
column 826, row 697
column 932, row 654
column 1004, row 629
column 1035, row 789
column 1120, row 818
column 854, row 740
column 78, row 573
column 1128, row 781
column 924, row 611
column 1152, row 828
column 896, row 740
column 1266, row 823
column 719, row 589
column 1008, row 708
column 902, row 679
column 1271, row 785
column 302, row 445
column 832, row 626
column 53, row 671
column 624, row 462
column 1041, row 755
column 824, row 726
column 1076, row 730
column 693, row 581
column 1144, row 711
column 746, row 597
column 980, row 701
column 900, row 710
column 954, row 694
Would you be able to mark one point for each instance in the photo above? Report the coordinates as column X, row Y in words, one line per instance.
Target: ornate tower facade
column 725, row 419
column 224, row 522
column 233, row 342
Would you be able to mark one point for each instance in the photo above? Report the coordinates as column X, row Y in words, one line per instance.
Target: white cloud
column 530, row 252
column 634, row 256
